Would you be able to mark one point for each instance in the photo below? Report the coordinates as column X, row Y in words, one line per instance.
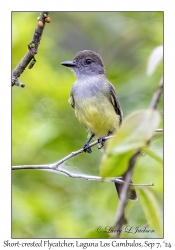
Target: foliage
column 45, row 129
column 135, row 132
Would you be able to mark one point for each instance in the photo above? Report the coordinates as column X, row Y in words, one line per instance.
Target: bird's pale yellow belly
column 98, row 117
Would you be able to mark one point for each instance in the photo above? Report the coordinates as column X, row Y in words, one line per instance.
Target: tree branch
column 55, row 167
column 120, row 217
column 33, row 48
column 157, row 95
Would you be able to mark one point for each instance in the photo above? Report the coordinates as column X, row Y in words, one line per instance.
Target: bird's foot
column 101, row 140
column 86, row 148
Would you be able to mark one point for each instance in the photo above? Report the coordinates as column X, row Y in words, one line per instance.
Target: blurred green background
column 45, row 129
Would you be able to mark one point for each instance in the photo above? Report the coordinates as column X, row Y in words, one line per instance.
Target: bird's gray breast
column 88, row 87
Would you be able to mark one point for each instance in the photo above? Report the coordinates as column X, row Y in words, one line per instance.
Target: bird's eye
column 88, row 61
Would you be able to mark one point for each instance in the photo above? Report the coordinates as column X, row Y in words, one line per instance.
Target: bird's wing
column 71, row 100
column 115, row 102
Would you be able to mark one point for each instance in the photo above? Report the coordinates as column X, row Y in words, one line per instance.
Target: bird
column 95, row 102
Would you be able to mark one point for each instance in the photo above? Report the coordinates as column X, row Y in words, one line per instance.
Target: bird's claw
column 101, row 140
column 86, row 148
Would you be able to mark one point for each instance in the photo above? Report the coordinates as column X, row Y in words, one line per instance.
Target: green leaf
column 136, row 130
column 109, row 163
column 152, row 154
column 151, row 206
column 154, row 59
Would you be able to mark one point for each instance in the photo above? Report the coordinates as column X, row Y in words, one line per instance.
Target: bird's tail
column 132, row 195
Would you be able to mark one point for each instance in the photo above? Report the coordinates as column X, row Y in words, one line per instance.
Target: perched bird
column 95, row 101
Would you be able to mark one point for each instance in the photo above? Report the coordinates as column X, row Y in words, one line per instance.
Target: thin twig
column 33, row 48
column 159, row 130
column 156, row 136
column 58, row 163
column 157, row 95
column 120, row 217
column 54, row 168
column 71, row 155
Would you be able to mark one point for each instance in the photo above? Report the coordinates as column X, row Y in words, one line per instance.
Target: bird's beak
column 69, row 64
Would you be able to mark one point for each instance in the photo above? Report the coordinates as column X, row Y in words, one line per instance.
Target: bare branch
column 159, row 130
column 17, row 83
column 157, row 95
column 120, row 217
column 56, row 165
column 54, row 168
column 71, row 155
column 33, row 48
